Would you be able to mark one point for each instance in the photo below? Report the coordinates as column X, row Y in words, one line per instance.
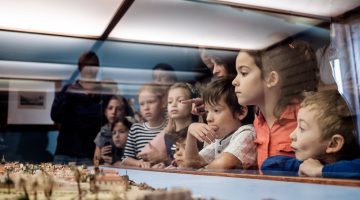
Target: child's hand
column 198, row 107
column 144, row 164
column 202, row 132
column 311, row 167
column 107, row 159
column 152, row 156
column 106, row 150
column 104, row 154
column 159, row 166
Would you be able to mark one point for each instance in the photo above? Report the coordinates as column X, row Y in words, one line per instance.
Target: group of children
column 264, row 118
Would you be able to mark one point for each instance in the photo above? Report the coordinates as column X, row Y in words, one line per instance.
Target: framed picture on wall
column 36, row 100
column 30, row 102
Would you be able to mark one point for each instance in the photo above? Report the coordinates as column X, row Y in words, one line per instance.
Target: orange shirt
column 275, row 140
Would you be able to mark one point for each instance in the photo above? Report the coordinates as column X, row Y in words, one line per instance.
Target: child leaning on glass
column 228, row 131
column 324, row 140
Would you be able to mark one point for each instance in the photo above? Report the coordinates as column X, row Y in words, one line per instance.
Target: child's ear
column 335, row 144
column 243, row 114
column 272, row 79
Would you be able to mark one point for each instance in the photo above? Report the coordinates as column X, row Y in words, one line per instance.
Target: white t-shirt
column 241, row 144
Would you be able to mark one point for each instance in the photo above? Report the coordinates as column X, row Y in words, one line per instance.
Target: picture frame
column 30, row 102
column 28, row 99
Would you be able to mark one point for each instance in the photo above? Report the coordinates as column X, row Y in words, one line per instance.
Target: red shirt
column 275, row 140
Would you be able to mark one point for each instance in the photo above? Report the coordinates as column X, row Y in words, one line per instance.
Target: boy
column 229, row 146
column 325, row 132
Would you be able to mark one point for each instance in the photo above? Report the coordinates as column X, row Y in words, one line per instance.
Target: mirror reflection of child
column 325, row 135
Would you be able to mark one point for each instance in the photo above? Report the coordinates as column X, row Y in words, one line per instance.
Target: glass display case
column 41, row 44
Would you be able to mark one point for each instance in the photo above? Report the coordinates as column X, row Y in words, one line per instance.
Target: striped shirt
column 139, row 135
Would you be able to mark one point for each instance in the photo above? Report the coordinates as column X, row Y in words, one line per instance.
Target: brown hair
column 225, row 58
column 295, row 62
column 88, row 58
column 334, row 117
column 223, row 88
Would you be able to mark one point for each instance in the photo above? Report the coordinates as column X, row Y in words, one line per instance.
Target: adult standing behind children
column 78, row 109
column 273, row 80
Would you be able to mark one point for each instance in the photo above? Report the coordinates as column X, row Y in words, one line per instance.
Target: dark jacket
column 80, row 117
column 285, row 165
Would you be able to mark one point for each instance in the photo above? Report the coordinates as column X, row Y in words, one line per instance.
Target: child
column 115, row 109
column 325, row 132
column 231, row 142
column 221, row 63
column 151, row 98
column 178, row 161
column 273, row 80
column 160, row 148
column 113, row 153
column 164, row 74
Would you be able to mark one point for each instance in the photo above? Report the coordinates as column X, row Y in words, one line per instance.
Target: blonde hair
column 171, row 128
column 157, row 89
column 334, row 117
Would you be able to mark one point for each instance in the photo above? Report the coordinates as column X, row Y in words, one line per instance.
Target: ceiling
column 30, row 30
column 220, row 24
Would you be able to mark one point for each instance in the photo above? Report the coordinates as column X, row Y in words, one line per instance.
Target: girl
column 115, row 109
column 112, row 154
column 151, row 108
column 273, row 80
column 221, row 63
column 161, row 148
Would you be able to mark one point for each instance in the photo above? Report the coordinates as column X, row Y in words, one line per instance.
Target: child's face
column 221, row 119
column 306, row 138
column 217, row 69
column 176, row 109
column 120, row 134
column 162, row 77
column 249, row 86
column 114, row 110
column 151, row 107
column 179, row 155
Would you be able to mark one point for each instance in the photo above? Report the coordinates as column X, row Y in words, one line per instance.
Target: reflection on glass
column 202, row 42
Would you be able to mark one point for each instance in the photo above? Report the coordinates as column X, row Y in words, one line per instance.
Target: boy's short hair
column 88, row 58
column 334, row 117
column 223, row 88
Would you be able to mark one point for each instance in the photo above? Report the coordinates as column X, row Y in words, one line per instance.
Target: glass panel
column 82, row 18
column 201, row 42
